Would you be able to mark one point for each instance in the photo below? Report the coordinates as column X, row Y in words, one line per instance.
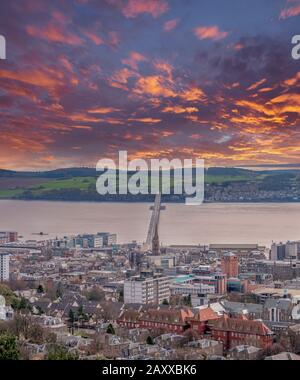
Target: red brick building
column 170, row 320
column 200, row 320
column 230, row 265
column 241, row 331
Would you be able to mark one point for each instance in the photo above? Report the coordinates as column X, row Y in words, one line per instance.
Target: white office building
column 4, row 266
column 192, row 289
column 152, row 290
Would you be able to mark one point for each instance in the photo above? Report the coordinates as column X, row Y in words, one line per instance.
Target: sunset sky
column 212, row 79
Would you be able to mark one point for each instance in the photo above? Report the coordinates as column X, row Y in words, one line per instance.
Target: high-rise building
column 108, row 238
column 278, row 251
column 135, row 259
column 292, row 250
column 8, row 237
column 4, row 266
column 230, row 265
column 146, row 290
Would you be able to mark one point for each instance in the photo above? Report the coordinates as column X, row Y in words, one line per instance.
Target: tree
column 150, row 340
column 80, row 310
column 121, row 296
column 7, row 293
column 187, row 300
column 110, row 329
column 191, row 335
column 36, row 334
column 40, row 289
column 274, row 349
column 58, row 352
column 96, row 294
column 82, row 316
column 165, row 302
column 40, row 311
column 20, row 326
column 21, row 304
column 8, row 347
column 71, row 317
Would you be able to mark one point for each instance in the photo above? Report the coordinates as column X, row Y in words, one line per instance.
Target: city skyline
column 84, row 79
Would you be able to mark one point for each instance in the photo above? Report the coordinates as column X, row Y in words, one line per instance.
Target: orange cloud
column 266, row 89
column 82, row 127
column 256, row 84
column 171, row 24
column 290, row 12
column 287, row 103
column 164, row 67
column 54, row 33
column 154, row 85
column 134, row 59
column 103, row 110
column 136, row 7
column 145, row 120
column 193, row 94
column 84, row 118
column 256, row 107
column 179, row 109
column 47, row 79
column 292, row 81
column 209, row 33
column 120, row 78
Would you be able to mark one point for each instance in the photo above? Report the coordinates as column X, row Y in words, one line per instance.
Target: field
column 80, row 183
column 15, row 187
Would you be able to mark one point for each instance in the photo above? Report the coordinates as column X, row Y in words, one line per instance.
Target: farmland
column 79, row 184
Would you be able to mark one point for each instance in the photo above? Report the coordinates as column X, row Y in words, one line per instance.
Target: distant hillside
column 57, row 173
column 91, row 172
column 79, row 184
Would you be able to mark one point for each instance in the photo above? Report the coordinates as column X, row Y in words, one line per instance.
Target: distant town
column 88, row 297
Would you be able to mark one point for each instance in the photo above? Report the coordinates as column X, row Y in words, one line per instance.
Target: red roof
column 241, row 325
column 206, row 315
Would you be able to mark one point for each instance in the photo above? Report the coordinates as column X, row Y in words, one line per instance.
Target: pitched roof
column 204, row 315
column 238, row 307
column 240, row 325
column 282, row 303
column 170, row 315
column 284, row 356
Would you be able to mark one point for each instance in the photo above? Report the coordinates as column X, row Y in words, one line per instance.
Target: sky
column 209, row 79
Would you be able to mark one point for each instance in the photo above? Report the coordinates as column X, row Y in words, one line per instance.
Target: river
column 179, row 224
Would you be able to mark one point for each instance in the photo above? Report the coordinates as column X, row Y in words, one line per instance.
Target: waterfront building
column 8, row 237
column 278, row 251
column 4, row 266
column 240, row 250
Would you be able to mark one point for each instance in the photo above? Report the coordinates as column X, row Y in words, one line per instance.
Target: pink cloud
column 290, row 11
column 54, row 33
column 94, row 37
column 114, row 39
column 209, row 33
column 171, row 24
column 136, row 7
column 133, row 60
